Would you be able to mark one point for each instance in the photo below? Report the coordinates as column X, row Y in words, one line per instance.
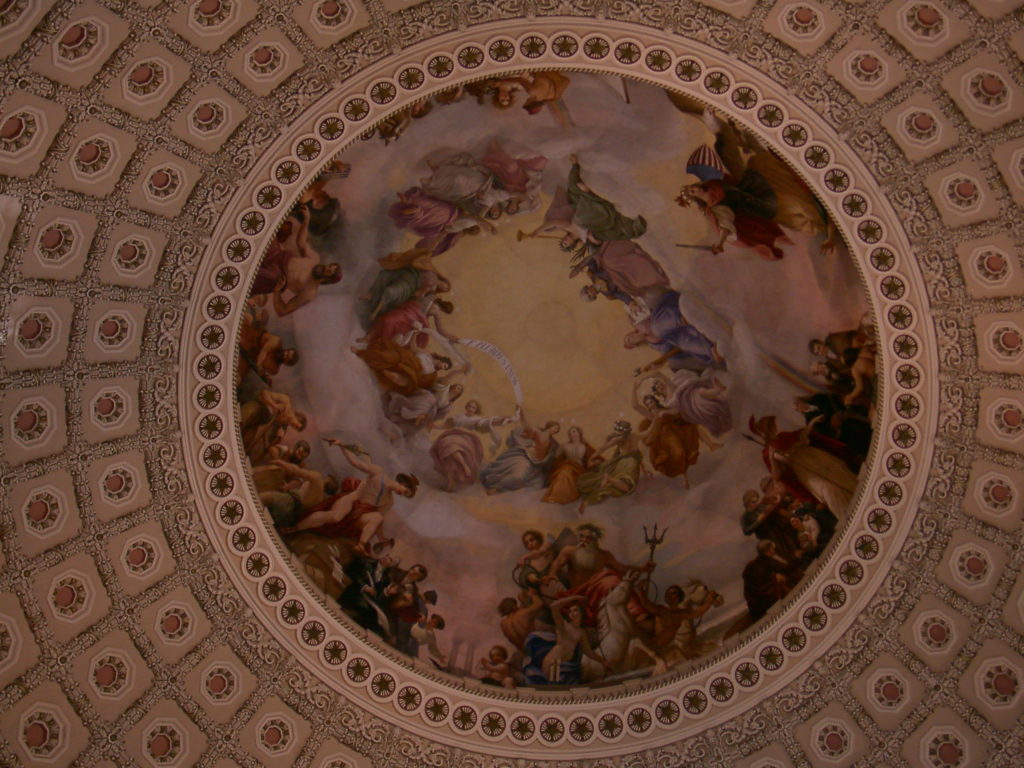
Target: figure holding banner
column 458, row 452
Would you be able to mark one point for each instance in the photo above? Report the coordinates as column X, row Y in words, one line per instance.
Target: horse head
column 619, row 594
column 695, row 591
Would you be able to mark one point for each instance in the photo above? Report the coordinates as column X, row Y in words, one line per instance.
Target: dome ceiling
column 507, row 404
column 725, row 181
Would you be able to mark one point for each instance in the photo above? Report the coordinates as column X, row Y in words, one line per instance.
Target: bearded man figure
column 593, row 572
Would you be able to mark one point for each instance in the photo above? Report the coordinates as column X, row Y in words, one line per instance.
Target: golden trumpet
column 520, row 235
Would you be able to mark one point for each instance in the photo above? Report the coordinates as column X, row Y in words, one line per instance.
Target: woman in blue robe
column 681, row 344
column 527, row 461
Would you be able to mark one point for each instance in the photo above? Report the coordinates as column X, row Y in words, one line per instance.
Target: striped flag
column 705, row 164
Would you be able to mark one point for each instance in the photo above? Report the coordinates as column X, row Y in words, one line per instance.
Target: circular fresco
column 556, row 379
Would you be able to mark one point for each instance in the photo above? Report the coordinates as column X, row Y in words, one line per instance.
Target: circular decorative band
column 453, row 710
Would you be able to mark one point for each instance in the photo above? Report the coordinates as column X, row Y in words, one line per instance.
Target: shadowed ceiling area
column 816, row 167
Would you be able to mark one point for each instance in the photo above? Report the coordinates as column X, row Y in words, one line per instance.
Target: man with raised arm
column 592, row 572
column 358, row 511
column 304, row 488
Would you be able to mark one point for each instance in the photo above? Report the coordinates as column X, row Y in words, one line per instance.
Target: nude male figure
column 570, row 636
column 364, row 507
column 302, row 275
column 518, row 617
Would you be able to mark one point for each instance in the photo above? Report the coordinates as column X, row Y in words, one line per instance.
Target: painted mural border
column 446, row 709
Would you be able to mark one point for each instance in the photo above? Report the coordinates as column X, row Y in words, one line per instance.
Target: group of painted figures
column 812, row 471
column 584, row 616
column 420, row 370
column 539, row 89
column 581, row 615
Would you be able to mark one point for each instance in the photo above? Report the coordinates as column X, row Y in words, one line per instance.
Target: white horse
column 619, row 637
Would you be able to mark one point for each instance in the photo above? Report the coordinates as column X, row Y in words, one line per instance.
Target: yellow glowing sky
column 567, row 352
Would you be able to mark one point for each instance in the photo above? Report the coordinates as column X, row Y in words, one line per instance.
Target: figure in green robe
column 598, row 216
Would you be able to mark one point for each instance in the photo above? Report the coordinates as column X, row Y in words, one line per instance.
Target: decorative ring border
column 447, row 710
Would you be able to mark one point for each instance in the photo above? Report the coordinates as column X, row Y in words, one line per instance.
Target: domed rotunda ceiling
column 519, row 395
column 467, row 383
